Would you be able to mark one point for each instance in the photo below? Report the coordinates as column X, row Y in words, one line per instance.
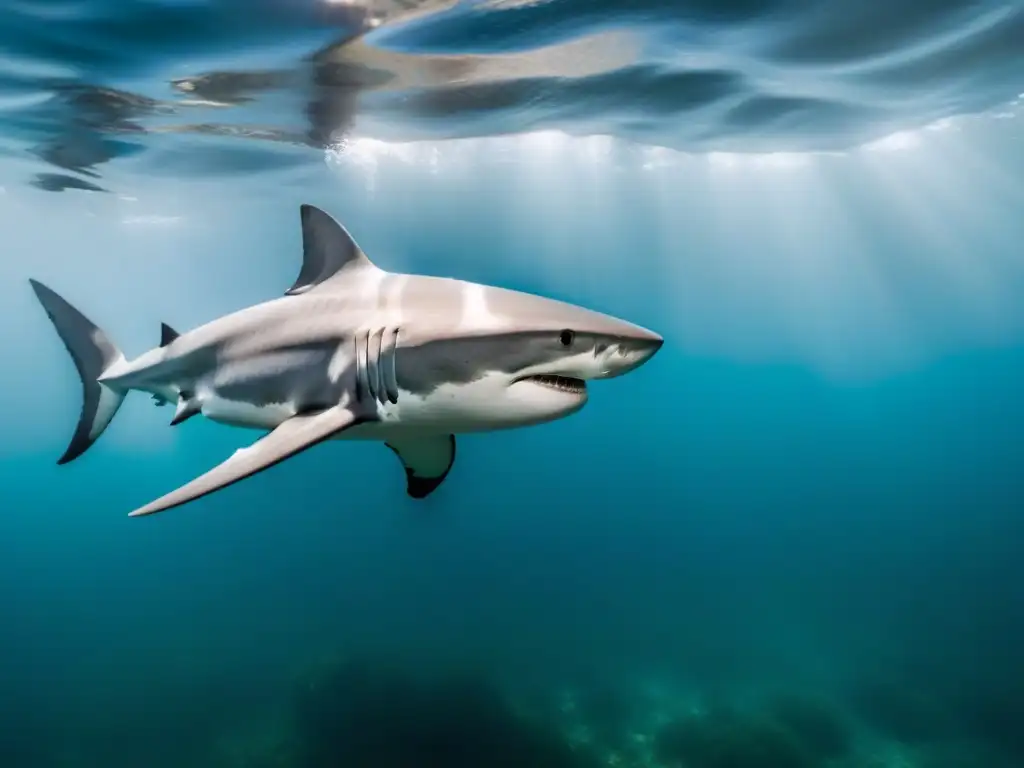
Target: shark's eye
column 566, row 337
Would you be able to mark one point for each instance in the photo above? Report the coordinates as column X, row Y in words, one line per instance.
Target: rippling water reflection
column 90, row 81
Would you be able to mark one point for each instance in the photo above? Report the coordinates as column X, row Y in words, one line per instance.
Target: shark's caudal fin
column 94, row 354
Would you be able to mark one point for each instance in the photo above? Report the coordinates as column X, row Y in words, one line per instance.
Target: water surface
column 809, row 501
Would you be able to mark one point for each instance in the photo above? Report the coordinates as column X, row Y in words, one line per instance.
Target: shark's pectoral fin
column 293, row 436
column 427, row 461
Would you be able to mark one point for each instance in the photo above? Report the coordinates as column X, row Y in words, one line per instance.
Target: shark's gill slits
column 561, row 383
column 361, row 344
column 373, row 344
column 376, row 378
column 389, row 351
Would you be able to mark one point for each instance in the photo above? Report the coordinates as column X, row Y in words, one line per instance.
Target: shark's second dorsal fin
column 328, row 251
column 167, row 334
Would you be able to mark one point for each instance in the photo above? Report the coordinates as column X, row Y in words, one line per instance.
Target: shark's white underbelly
column 450, row 409
column 239, row 413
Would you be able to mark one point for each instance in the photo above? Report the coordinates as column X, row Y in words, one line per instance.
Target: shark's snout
column 649, row 348
column 649, row 340
column 650, row 345
column 630, row 352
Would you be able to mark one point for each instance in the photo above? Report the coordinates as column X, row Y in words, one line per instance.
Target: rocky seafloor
column 362, row 713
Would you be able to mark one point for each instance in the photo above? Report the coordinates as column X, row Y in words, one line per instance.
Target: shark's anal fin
column 291, row 437
column 167, row 334
column 328, row 251
column 427, row 461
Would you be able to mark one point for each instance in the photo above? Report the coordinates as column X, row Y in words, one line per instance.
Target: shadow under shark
column 352, row 351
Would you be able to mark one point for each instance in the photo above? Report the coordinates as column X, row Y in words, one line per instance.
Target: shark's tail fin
column 94, row 354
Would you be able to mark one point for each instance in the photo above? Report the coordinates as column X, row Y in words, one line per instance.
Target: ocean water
column 790, row 540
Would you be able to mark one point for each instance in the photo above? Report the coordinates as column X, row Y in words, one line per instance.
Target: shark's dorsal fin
column 328, row 251
column 167, row 334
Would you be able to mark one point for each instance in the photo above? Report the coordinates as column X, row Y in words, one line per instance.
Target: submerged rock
column 819, row 725
column 363, row 714
column 902, row 713
column 727, row 738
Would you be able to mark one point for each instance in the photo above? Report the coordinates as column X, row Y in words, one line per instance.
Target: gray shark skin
column 352, row 351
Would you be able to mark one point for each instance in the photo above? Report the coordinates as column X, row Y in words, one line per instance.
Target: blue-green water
column 803, row 514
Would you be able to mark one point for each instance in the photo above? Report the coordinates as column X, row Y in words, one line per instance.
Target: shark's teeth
column 561, row 383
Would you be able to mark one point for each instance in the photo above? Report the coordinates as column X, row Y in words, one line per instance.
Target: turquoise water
column 790, row 540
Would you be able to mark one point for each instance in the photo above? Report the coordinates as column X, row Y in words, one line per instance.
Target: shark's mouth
column 560, row 383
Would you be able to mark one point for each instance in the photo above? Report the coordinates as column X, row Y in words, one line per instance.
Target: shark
column 352, row 351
